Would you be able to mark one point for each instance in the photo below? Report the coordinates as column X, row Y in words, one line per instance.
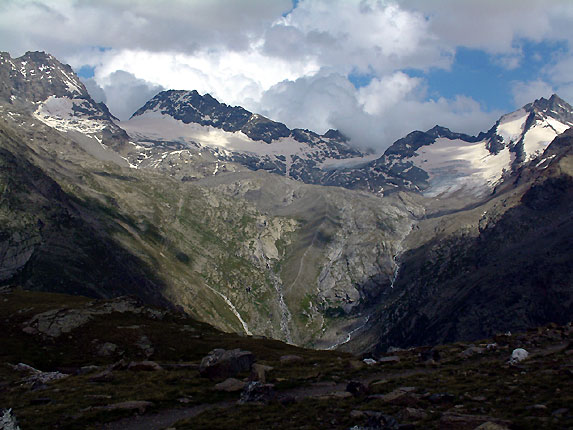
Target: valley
column 262, row 230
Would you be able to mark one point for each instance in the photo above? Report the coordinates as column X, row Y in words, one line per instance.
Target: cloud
column 373, row 116
column 122, row 92
column 526, row 92
column 495, row 25
column 367, row 35
column 64, row 26
column 292, row 64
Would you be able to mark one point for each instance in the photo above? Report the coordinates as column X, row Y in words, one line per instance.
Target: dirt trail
column 166, row 418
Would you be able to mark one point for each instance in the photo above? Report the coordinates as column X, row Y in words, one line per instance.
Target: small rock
column 286, row 400
column 413, row 414
column 8, row 420
column 357, row 414
column 336, row 395
column 490, row 426
column 144, row 366
column 369, row 361
column 454, row 421
column 120, row 365
column 379, row 382
column 230, row 385
column 471, row 351
column 37, row 376
column 259, row 372
column 106, row 349
column 145, row 345
column 184, row 400
column 441, row 398
column 389, row 359
column 289, row 359
column 87, row 369
column 539, row 407
column 560, row 412
column 221, row 363
column 105, row 376
column 430, row 355
column 518, row 355
column 257, row 392
column 357, row 388
column 40, row 401
column 397, row 393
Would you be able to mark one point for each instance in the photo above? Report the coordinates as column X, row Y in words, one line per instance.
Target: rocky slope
column 439, row 162
column 214, row 132
column 173, row 210
column 71, row 363
column 246, row 251
column 503, row 265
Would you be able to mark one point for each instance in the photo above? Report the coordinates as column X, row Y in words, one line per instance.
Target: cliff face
column 504, row 265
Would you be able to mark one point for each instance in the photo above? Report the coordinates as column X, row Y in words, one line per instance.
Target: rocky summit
column 201, row 248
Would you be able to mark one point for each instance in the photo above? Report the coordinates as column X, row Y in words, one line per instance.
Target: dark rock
column 289, row 359
column 286, row 399
column 8, row 420
column 453, row 421
column 105, row 376
column 560, row 412
column 120, row 365
column 40, row 401
column 145, row 366
column 471, row 351
column 491, row 426
column 259, row 372
column 221, row 363
column 430, row 354
column 437, row 398
column 106, row 349
column 389, row 359
column 357, row 388
column 258, row 392
column 230, row 385
column 413, row 414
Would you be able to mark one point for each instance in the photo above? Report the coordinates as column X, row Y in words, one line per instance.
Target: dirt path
column 166, row 418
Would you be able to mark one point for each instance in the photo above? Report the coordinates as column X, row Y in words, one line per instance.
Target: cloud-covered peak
column 294, row 61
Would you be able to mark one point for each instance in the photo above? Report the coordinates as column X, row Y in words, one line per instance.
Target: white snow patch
column 511, row 126
column 57, row 112
column 536, row 140
column 456, row 164
column 558, row 126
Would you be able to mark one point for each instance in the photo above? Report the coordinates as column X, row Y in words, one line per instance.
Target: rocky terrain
column 261, row 230
column 67, row 362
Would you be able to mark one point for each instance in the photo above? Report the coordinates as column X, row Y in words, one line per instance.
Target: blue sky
column 375, row 69
column 475, row 73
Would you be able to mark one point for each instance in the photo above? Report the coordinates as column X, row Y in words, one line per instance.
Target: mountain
column 439, row 162
column 39, row 84
column 504, row 264
column 203, row 127
column 289, row 234
column 244, row 250
column 474, row 165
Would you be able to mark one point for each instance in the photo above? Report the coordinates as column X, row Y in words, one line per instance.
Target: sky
column 374, row 69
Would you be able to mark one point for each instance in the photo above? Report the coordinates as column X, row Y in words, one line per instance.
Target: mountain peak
column 554, row 103
column 36, row 75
